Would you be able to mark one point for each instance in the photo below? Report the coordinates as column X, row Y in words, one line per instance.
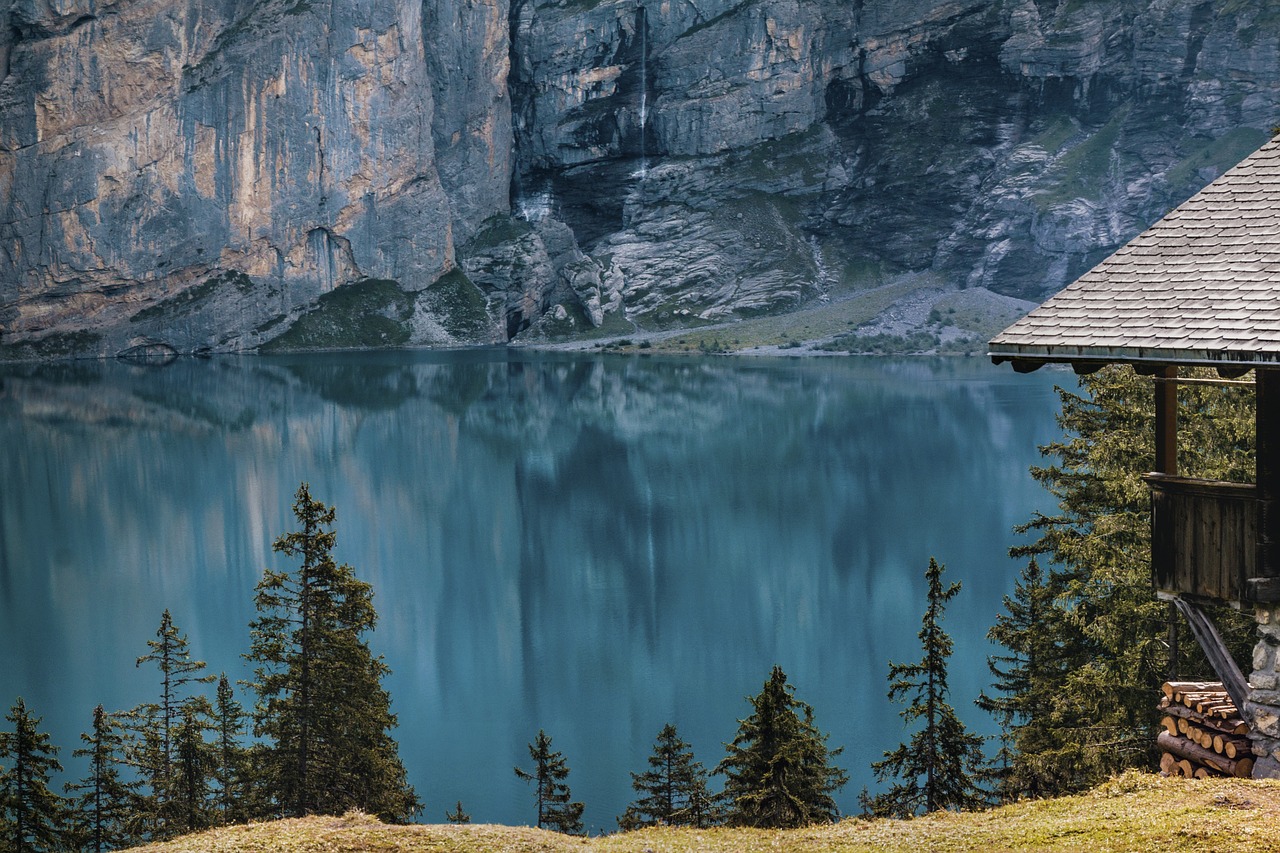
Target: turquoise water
column 590, row 545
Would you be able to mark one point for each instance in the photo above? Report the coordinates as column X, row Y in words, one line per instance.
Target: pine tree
column 940, row 766
column 457, row 815
column 778, row 773
column 1027, row 678
column 171, row 654
column 194, row 766
column 555, row 809
column 321, row 706
column 106, row 800
column 231, row 757
column 674, row 788
column 33, row 816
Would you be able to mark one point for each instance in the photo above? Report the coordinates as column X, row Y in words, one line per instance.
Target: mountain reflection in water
column 590, row 545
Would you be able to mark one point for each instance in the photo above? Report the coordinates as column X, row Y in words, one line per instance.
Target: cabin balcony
column 1204, row 539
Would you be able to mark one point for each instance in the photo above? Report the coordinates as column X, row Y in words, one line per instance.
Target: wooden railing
column 1204, row 537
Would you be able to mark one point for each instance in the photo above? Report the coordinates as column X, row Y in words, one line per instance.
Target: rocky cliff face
column 229, row 174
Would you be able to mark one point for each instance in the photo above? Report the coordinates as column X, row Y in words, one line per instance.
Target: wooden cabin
column 1199, row 288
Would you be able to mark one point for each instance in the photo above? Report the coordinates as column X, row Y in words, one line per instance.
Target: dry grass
column 1133, row 813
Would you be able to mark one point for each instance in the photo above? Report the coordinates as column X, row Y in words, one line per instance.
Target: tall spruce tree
column 153, row 735
column 321, row 706
column 107, row 801
column 171, row 653
column 1110, row 635
column 778, row 771
column 556, row 809
column 34, row 818
column 674, row 788
column 940, row 766
column 1025, row 679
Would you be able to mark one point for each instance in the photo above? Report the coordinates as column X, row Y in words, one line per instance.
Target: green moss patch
column 78, row 344
column 1215, row 155
column 458, row 304
column 368, row 313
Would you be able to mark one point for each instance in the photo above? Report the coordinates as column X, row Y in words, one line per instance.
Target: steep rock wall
column 226, row 174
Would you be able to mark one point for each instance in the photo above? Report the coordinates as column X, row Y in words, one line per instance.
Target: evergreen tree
column 674, row 788
column 457, row 815
column 106, row 801
column 940, row 765
column 194, row 767
column 555, row 809
column 1110, row 636
column 1026, row 679
column 231, row 757
column 778, row 773
column 171, row 654
column 34, row 817
column 321, row 706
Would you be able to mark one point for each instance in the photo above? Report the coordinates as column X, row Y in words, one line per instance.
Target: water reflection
column 594, row 546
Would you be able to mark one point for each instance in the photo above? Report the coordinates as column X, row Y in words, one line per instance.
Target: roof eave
column 1031, row 356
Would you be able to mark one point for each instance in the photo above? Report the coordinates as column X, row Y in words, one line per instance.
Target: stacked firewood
column 1204, row 734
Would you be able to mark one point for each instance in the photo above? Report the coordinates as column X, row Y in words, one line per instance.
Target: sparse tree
column 171, row 653
column 673, row 789
column 939, row 767
column 321, row 705
column 457, row 815
column 555, row 807
column 153, row 747
column 778, row 773
column 106, row 801
column 34, row 818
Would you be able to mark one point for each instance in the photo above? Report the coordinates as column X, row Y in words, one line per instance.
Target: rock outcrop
column 202, row 175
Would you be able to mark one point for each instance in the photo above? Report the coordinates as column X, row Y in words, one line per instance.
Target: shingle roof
column 1201, row 286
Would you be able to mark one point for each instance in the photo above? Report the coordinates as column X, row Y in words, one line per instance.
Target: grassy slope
column 1135, row 812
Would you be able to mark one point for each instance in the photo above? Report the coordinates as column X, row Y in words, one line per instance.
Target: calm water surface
column 590, row 545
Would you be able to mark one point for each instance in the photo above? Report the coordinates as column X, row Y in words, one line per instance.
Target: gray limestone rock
column 200, row 175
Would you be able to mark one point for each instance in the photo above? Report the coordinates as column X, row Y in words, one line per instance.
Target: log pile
column 1203, row 734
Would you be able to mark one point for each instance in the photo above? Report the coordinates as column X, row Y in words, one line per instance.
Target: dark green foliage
column 32, row 817
column 555, row 809
column 321, row 707
column 778, row 773
column 367, row 313
column 231, row 769
column 674, row 788
column 194, row 766
column 104, row 809
column 1106, row 633
column 939, row 767
column 1026, row 678
column 457, row 815
column 459, row 306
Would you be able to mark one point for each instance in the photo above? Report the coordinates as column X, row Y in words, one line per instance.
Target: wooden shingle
column 1201, row 286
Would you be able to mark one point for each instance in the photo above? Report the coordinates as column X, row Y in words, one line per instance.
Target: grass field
column 1133, row 813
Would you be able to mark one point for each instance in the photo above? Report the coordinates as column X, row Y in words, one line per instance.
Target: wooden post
column 1268, row 472
column 1167, row 420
